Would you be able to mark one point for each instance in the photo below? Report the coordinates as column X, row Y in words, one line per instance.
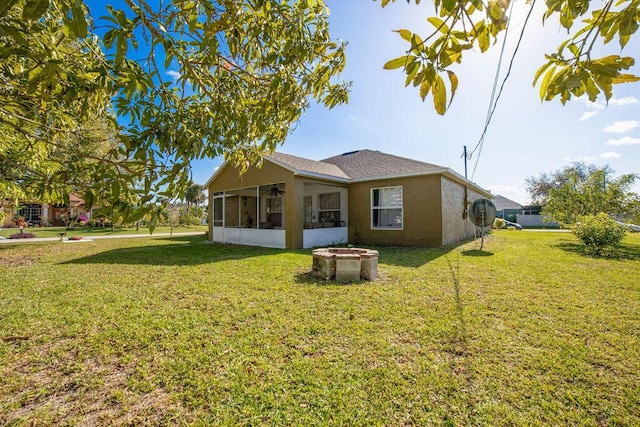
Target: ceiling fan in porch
column 274, row 191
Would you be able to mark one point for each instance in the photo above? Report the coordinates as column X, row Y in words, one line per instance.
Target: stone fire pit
column 345, row 264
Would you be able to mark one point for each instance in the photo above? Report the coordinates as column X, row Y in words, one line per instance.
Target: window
column 386, row 208
column 329, row 207
column 217, row 212
column 31, row 213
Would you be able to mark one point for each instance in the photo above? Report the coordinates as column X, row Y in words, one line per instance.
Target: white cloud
column 622, row 127
column 587, row 115
column 585, row 100
column 610, row 155
column 585, row 159
column 174, row 75
column 626, row 140
column 623, row 101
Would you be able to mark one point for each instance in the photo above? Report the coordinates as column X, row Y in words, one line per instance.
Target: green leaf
column 6, row 6
column 425, row 87
column 405, row 34
column 540, row 71
column 453, row 79
column 79, row 21
column 397, row 62
column 439, row 92
column 592, row 89
column 115, row 190
column 484, row 39
column 121, row 48
column 496, row 13
column 439, row 24
column 34, row 9
column 625, row 78
column 544, row 85
column 153, row 223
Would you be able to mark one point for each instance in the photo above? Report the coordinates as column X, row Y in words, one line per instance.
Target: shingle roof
column 368, row 163
column 361, row 165
column 300, row 164
column 503, row 203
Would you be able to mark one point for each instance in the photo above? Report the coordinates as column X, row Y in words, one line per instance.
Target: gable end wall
column 455, row 228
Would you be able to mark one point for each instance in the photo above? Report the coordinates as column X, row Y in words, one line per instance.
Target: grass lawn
column 89, row 231
column 529, row 331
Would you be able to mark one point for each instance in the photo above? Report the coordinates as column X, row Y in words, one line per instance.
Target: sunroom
column 304, row 213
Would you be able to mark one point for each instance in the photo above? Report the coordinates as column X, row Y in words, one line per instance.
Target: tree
column 173, row 215
column 539, row 187
column 580, row 190
column 570, row 71
column 194, row 194
column 246, row 70
column 598, row 232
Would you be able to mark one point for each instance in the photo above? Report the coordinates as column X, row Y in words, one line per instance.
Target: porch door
column 308, row 208
column 274, row 211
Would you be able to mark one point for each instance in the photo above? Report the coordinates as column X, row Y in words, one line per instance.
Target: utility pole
column 466, row 157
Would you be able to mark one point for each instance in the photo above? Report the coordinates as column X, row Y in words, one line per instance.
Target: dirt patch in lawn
column 54, row 384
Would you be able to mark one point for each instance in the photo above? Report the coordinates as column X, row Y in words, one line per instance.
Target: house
column 506, row 208
column 531, row 216
column 363, row 196
column 52, row 214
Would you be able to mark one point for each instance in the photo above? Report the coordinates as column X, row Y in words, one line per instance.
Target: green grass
column 529, row 331
column 89, row 231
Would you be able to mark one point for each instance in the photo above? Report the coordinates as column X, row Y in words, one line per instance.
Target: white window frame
column 219, row 222
column 374, row 227
column 339, row 210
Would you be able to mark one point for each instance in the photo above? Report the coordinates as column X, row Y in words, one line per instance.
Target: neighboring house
column 531, row 216
column 47, row 214
column 506, row 208
column 365, row 196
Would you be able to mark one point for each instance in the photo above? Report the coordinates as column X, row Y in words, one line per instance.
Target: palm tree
column 194, row 194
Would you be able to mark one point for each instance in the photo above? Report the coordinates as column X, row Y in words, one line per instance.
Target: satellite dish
column 482, row 212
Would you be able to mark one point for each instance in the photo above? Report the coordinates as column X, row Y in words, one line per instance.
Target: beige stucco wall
column 230, row 179
column 454, row 227
column 422, row 213
column 433, row 206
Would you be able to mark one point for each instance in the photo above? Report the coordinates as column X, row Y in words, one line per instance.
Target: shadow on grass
column 307, row 278
column 623, row 252
column 476, row 253
column 412, row 256
column 183, row 250
column 192, row 250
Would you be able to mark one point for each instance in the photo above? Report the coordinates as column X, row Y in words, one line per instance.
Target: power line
column 493, row 103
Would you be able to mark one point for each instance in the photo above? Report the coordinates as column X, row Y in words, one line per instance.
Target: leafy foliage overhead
column 572, row 70
column 88, row 103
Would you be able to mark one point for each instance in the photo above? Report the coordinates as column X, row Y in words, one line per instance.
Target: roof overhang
column 449, row 173
column 296, row 172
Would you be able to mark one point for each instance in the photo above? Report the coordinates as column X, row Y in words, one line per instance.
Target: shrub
column 22, row 236
column 190, row 220
column 498, row 223
column 598, row 231
column 8, row 223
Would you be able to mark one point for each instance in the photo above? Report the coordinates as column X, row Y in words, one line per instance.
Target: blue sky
column 525, row 137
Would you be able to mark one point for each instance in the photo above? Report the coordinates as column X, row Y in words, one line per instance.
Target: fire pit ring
column 345, row 264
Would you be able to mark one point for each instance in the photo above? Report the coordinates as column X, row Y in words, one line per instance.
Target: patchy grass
column 529, row 331
column 97, row 231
